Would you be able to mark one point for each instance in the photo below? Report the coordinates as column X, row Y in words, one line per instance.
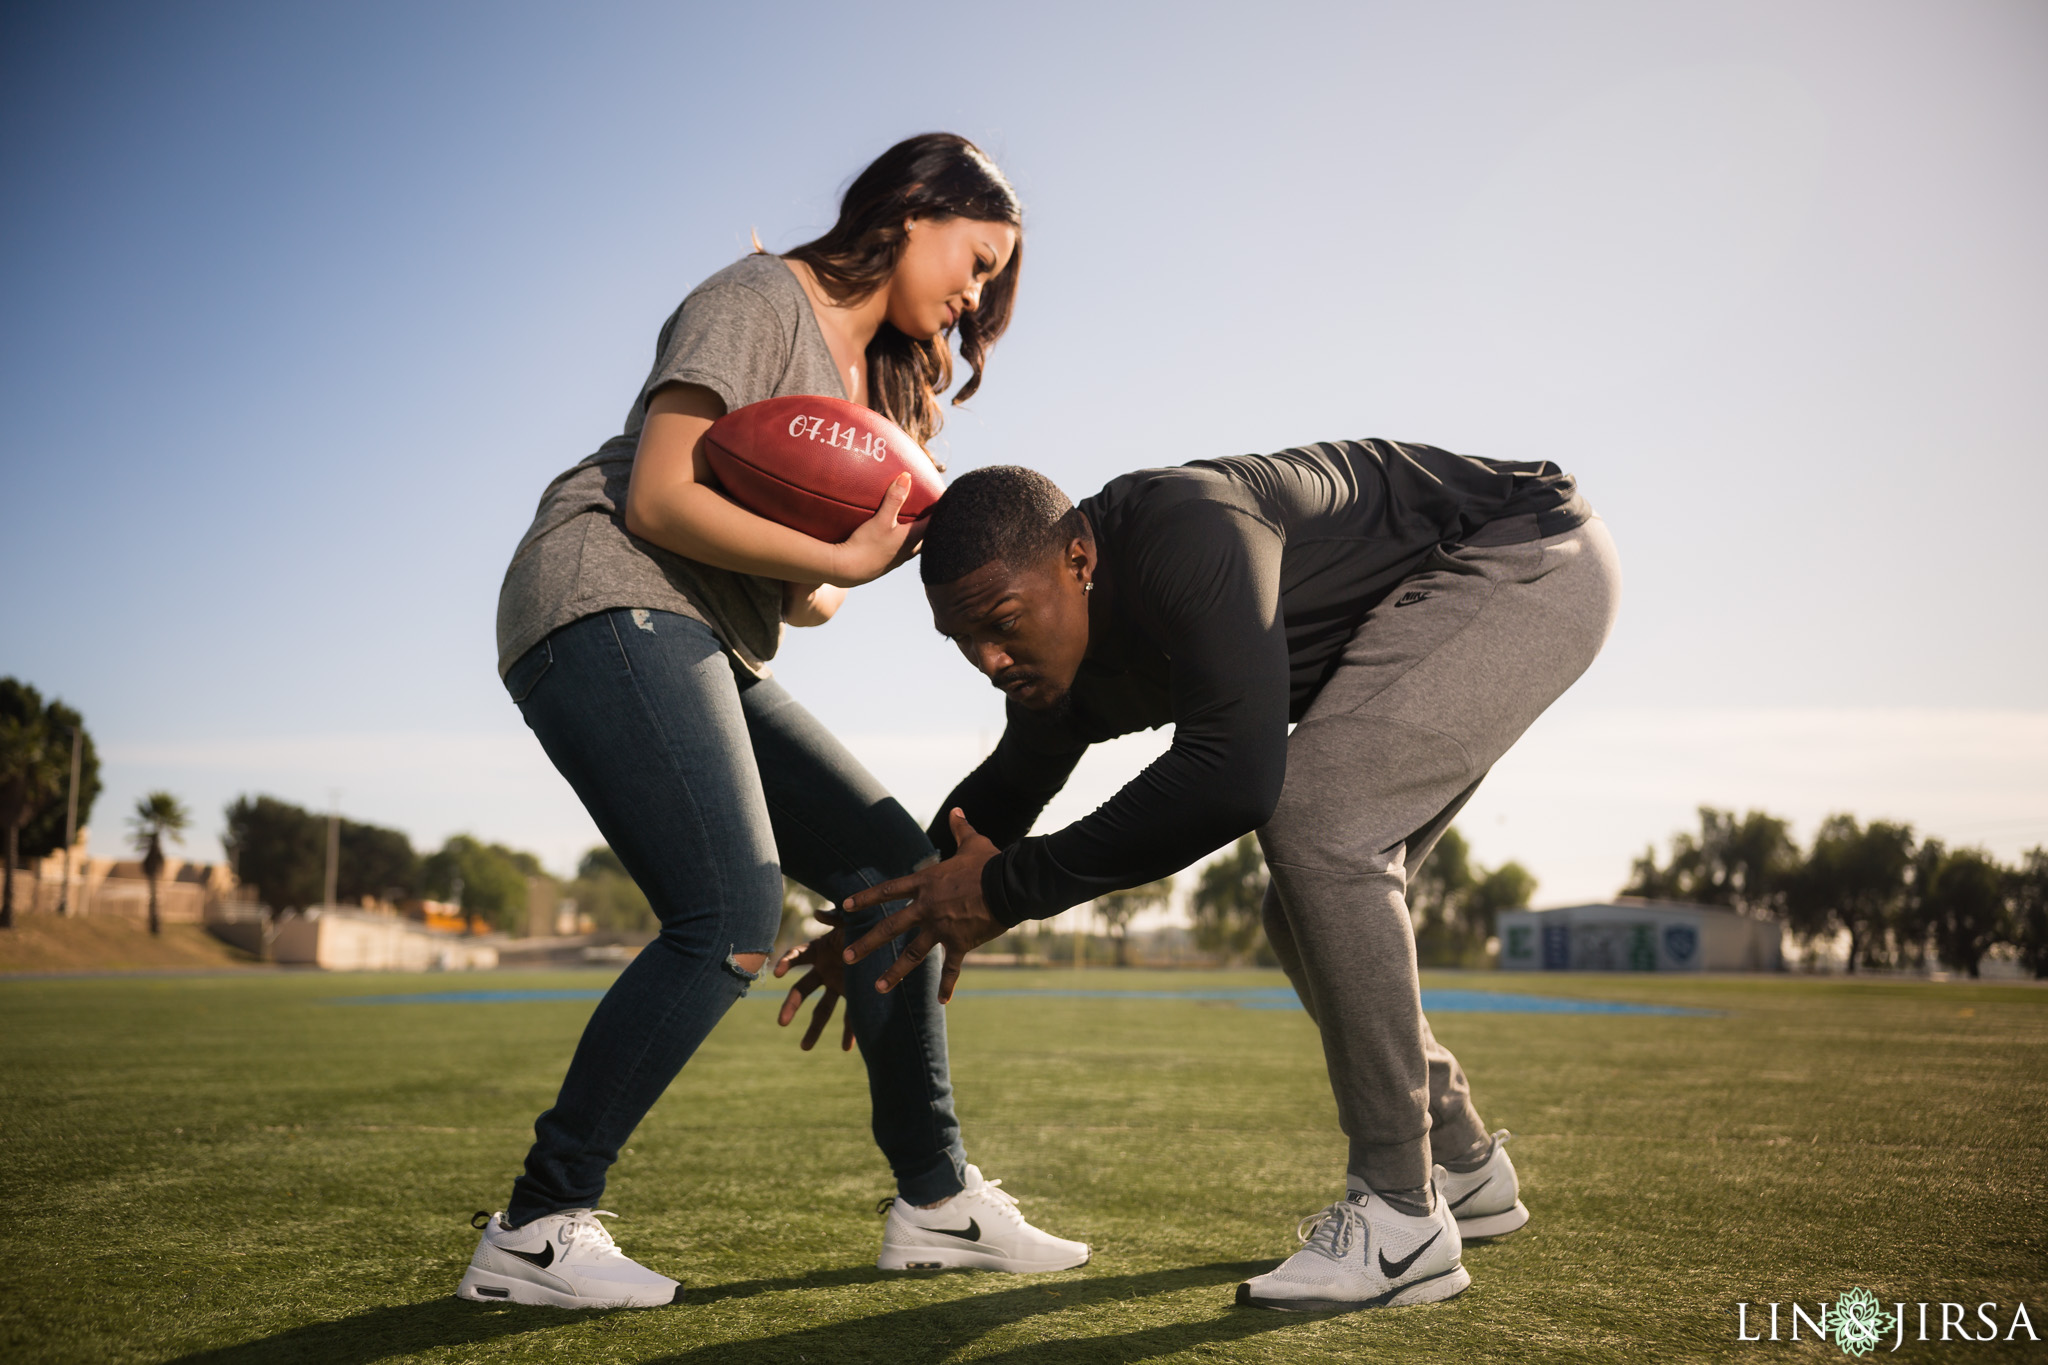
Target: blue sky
column 304, row 306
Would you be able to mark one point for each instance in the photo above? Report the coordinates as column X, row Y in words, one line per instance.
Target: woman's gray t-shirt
column 746, row 334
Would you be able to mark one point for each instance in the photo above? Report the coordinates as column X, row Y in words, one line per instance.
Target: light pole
column 333, row 847
column 71, row 819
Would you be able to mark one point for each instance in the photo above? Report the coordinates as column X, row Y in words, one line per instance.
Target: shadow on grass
column 401, row 1330
column 937, row 1330
column 816, row 1279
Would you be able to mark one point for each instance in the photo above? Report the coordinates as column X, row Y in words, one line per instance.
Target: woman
column 634, row 626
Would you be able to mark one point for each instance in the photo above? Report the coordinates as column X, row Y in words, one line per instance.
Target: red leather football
column 819, row 465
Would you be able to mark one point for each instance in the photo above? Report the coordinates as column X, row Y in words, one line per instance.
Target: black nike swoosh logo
column 1394, row 1270
column 543, row 1259
column 1469, row 1193
column 970, row 1233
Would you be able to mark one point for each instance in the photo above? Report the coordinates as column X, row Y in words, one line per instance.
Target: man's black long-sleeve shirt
column 1225, row 591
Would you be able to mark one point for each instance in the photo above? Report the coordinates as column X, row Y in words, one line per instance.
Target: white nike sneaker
column 565, row 1259
column 1361, row 1253
column 978, row 1228
column 1487, row 1201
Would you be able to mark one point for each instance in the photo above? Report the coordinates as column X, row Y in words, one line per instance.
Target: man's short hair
column 1004, row 512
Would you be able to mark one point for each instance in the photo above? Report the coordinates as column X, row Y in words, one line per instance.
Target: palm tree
column 31, row 773
column 1228, row 903
column 157, row 815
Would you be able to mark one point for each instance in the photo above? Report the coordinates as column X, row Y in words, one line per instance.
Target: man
column 1412, row 612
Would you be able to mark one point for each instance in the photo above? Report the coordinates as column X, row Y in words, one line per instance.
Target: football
column 818, row 465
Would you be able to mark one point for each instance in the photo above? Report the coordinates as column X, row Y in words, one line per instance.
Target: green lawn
column 231, row 1168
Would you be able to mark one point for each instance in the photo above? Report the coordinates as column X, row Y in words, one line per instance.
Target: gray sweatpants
column 1426, row 698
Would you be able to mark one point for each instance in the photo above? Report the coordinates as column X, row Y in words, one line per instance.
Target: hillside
column 53, row 943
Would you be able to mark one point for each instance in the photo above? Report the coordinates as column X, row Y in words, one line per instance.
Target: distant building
column 345, row 940
column 1631, row 935
column 187, row 892
column 442, row 916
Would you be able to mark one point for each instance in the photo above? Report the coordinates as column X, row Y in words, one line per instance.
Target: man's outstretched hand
column 827, row 973
column 945, row 907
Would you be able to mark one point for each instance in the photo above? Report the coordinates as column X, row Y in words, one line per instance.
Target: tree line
column 280, row 850
column 49, row 780
column 1902, row 901
column 36, row 742
column 1452, row 902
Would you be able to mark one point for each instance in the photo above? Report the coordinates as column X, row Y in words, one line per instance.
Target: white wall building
column 1630, row 935
column 356, row 941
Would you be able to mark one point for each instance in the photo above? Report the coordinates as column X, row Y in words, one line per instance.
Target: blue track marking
column 1244, row 997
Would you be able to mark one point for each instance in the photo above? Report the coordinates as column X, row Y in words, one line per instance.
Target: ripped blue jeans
column 708, row 786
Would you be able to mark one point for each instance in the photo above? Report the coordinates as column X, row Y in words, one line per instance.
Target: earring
column 1087, row 587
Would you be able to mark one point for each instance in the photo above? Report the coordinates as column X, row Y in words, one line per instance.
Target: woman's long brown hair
column 933, row 175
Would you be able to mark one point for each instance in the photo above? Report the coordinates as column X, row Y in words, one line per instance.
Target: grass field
column 234, row 1168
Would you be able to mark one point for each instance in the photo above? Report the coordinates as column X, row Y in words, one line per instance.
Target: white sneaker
column 978, row 1228
column 1361, row 1253
column 565, row 1259
column 1487, row 1201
